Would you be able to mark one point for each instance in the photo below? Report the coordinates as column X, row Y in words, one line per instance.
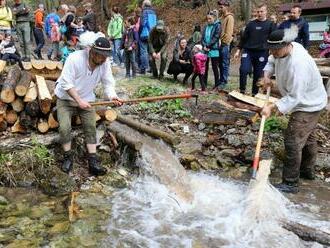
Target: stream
column 163, row 206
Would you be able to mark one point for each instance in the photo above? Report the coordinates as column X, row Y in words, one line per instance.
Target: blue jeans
column 144, row 55
column 252, row 59
column 116, row 55
column 224, row 63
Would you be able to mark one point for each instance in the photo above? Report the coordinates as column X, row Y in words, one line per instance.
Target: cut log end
column 11, row 116
column 18, row 128
column 43, row 126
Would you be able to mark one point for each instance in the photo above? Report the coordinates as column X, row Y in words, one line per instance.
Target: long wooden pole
column 146, row 99
column 259, row 142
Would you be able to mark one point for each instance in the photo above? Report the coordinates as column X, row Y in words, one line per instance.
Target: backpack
column 151, row 18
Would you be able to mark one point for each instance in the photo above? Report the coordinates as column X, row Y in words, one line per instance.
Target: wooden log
column 25, row 120
column 54, row 75
column 110, row 115
column 97, row 117
column 33, row 109
column 51, row 65
column 255, row 101
column 38, row 64
column 3, row 125
column 60, row 65
column 118, row 129
column 8, row 86
column 308, row 233
column 322, row 61
column 171, row 139
column 11, row 116
column 44, row 97
column 43, row 126
column 32, row 93
column 2, row 66
column 51, row 87
column 18, row 105
column 9, row 144
column 18, row 128
column 324, row 70
column 23, row 84
column 52, row 123
column 27, row 65
column 3, row 109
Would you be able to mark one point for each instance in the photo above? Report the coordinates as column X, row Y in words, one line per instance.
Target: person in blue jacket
column 303, row 27
column 51, row 18
column 210, row 42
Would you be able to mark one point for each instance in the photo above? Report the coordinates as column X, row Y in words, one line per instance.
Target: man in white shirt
column 82, row 71
column 304, row 96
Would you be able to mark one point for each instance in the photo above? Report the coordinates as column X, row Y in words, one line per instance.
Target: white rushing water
column 222, row 213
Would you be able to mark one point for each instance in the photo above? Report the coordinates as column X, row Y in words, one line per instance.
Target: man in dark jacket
column 89, row 19
column 253, row 48
column 303, row 27
column 158, row 41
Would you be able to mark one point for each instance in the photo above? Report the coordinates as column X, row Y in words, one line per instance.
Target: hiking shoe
column 67, row 162
column 287, row 188
column 308, row 175
column 95, row 167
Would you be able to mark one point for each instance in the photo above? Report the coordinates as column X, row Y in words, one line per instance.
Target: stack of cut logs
column 26, row 102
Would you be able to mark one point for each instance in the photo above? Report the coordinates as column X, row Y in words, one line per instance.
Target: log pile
column 25, row 102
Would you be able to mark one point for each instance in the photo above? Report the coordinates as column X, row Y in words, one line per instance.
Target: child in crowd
column 55, row 37
column 78, row 30
column 199, row 63
column 67, row 48
column 8, row 50
column 129, row 44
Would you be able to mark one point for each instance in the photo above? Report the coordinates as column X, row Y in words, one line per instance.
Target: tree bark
column 11, row 116
column 308, row 233
column 18, row 128
column 33, row 109
column 18, row 105
column 3, row 125
column 117, row 128
column 44, row 97
column 51, row 87
column 52, row 123
column 32, row 93
column 8, row 86
column 171, row 139
column 23, row 84
column 42, row 126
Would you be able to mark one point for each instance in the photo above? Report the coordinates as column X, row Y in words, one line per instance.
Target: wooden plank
column 44, row 96
column 258, row 101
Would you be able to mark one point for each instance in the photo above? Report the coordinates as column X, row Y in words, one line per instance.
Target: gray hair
column 146, row 3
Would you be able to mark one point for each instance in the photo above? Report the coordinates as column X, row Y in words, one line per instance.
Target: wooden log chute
column 23, row 84
column 8, row 87
column 171, row 139
column 44, row 97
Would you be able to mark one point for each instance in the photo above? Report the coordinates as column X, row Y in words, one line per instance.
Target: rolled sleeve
column 108, row 82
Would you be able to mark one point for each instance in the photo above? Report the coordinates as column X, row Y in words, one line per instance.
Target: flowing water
column 165, row 206
column 219, row 212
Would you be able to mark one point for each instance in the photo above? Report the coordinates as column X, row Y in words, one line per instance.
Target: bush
column 276, row 123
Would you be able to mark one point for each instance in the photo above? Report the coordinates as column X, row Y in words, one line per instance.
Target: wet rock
column 228, row 152
column 195, row 166
column 8, row 222
column 60, row 227
column 234, row 173
column 234, row 140
column 201, row 126
column 231, row 131
column 323, row 160
column 7, row 235
column 3, row 200
column 249, row 155
column 225, row 162
column 249, row 139
column 208, row 163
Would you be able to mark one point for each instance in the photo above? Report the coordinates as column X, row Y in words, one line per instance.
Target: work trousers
column 215, row 69
column 252, row 60
column 24, row 38
column 65, row 110
column 40, row 40
column 163, row 61
column 224, row 63
column 300, row 145
column 130, row 62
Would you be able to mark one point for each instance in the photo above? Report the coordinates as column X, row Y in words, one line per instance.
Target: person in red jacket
column 199, row 63
column 38, row 30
